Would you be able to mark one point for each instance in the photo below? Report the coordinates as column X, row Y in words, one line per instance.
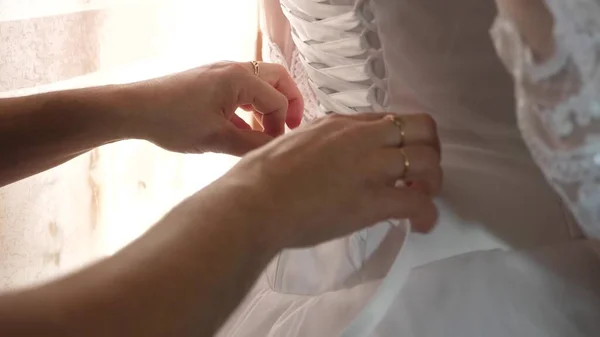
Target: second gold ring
column 399, row 123
column 406, row 163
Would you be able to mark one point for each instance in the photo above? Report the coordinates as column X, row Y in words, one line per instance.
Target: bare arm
column 277, row 27
column 188, row 273
column 178, row 279
column 181, row 279
column 190, row 112
column 170, row 280
column 535, row 23
column 39, row 132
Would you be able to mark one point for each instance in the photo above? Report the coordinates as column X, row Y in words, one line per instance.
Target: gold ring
column 256, row 66
column 406, row 163
column 399, row 123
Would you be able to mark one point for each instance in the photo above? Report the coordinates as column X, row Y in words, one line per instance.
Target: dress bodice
column 436, row 57
column 496, row 209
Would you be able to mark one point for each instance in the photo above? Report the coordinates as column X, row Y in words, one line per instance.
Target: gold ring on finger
column 399, row 123
column 406, row 163
column 256, row 66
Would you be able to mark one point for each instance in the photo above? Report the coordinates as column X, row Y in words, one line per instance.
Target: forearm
column 183, row 278
column 41, row 131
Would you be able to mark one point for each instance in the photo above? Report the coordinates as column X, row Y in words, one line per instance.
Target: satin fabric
column 505, row 257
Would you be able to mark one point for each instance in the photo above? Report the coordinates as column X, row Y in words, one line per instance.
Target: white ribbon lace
column 339, row 49
column 338, row 57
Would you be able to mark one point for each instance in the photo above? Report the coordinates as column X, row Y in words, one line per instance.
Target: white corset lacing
column 341, row 54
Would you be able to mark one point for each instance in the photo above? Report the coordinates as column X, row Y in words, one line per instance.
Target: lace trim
column 311, row 105
column 559, row 103
column 300, row 77
column 275, row 53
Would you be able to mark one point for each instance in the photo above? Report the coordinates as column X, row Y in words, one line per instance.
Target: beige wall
column 93, row 205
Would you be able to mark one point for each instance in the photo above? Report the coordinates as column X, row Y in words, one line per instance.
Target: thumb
column 238, row 142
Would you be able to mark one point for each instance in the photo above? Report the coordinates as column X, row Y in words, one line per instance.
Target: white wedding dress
column 506, row 258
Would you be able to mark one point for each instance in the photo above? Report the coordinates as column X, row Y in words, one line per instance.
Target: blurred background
column 92, row 206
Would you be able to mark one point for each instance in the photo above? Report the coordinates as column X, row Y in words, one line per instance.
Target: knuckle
column 429, row 122
column 318, row 121
column 336, row 119
column 224, row 64
column 354, row 132
column 238, row 67
column 426, row 155
column 236, row 70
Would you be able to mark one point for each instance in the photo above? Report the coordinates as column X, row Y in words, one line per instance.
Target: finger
column 279, row 78
column 416, row 163
column 234, row 141
column 418, row 129
column 364, row 117
column 239, row 123
column 407, row 203
column 247, row 107
column 331, row 124
column 268, row 102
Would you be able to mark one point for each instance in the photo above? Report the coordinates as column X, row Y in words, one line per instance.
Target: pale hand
column 194, row 111
column 332, row 177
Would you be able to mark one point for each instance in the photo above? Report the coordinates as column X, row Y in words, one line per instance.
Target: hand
column 194, row 111
column 335, row 176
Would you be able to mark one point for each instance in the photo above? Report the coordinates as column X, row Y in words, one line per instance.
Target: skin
column 535, row 23
column 187, row 274
column 277, row 27
column 66, row 124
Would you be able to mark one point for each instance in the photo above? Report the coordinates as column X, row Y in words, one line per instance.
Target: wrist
column 242, row 206
column 126, row 111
